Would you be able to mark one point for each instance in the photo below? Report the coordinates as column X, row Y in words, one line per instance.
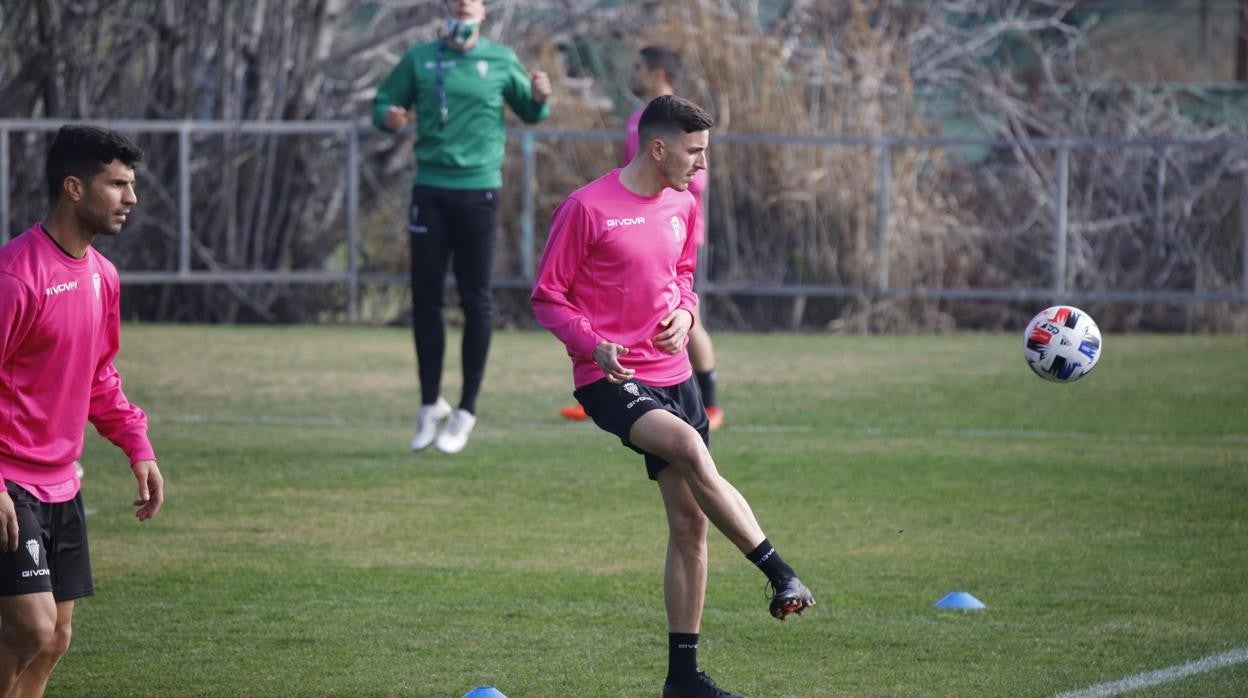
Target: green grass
column 304, row 551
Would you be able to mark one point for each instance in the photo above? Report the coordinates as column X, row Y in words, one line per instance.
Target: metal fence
column 884, row 149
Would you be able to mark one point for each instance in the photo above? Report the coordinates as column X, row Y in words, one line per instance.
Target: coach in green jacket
column 456, row 87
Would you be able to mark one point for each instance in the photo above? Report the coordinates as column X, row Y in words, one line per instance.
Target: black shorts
column 616, row 406
column 51, row 553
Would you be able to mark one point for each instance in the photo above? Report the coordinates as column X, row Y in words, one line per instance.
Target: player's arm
column 687, row 265
column 562, row 258
column 17, row 313
column 18, row 307
column 527, row 93
column 396, row 93
column 674, row 328
column 119, row 420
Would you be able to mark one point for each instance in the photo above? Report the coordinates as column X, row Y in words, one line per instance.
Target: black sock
column 682, row 656
column 769, row 561
column 706, row 383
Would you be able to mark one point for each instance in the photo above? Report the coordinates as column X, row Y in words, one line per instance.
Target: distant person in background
column 456, row 87
column 655, row 71
column 615, row 285
column 60, row 329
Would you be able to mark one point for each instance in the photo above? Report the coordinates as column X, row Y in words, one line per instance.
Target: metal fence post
column 527, row 214
column 4, row 185
column 184, row 198
column 1243, row 231
column 884, row 168
column 353, row 223
column 1059, row 232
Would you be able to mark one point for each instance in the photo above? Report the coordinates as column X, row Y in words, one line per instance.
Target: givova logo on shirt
column 614, row 222
column 57, row 289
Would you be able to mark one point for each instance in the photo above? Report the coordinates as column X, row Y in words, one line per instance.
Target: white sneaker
column 428, row 418
column 455, row 436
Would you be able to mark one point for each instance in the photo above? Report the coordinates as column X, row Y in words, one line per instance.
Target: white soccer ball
column 1062, row 344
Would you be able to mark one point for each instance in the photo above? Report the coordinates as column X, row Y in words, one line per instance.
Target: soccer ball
column 1062, row 344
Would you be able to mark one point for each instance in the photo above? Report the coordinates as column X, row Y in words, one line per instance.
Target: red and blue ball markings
column 1042, row 335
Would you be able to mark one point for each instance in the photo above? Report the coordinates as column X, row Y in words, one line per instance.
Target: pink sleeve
column 17, row 314
column 112, row 414
column 551, row 298
column 688, row 261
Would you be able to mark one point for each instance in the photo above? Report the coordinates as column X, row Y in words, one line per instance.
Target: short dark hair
column 658, row 56
column 83, row 152
column 670, row 115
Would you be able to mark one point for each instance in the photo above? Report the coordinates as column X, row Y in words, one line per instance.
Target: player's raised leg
column 672, row 439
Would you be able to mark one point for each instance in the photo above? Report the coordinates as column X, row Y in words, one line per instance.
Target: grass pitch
column 305, row 551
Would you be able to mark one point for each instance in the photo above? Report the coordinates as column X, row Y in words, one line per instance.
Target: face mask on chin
column 459, row 31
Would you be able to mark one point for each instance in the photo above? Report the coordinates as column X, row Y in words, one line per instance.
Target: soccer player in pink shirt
column 653, row 75
column 615, row 285
column 59, row 331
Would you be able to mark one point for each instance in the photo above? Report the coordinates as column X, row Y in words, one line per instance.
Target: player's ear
column 73, row 188
column 657, row 149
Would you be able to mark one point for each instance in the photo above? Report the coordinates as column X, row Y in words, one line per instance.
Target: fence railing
column 883, row 148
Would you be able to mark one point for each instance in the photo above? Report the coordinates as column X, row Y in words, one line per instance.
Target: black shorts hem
column 73, row 595
column 616, row 407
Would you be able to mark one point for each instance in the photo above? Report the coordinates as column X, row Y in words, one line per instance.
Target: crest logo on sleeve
column 678, row 229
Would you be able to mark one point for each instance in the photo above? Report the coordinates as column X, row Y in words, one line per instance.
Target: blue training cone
column 960, row 601
column 484, row 692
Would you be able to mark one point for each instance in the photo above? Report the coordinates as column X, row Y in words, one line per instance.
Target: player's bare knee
column 702, row 473
column 59, row 644
column 30, row 638
column 690, row 454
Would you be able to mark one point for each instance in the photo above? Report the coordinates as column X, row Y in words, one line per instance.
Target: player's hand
column 539, row 83
column 8, row 522
column 675, row 330
column 607, row 355
column 396, row 118
column 151, row 489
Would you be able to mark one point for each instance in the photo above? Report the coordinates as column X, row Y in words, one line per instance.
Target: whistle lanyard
column 439, row 81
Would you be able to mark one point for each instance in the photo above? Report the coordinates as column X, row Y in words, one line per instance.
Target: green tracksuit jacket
column 465, row 152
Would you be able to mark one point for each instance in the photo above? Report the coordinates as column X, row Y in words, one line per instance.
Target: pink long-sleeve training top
column 616, row 263
column 60, row 328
